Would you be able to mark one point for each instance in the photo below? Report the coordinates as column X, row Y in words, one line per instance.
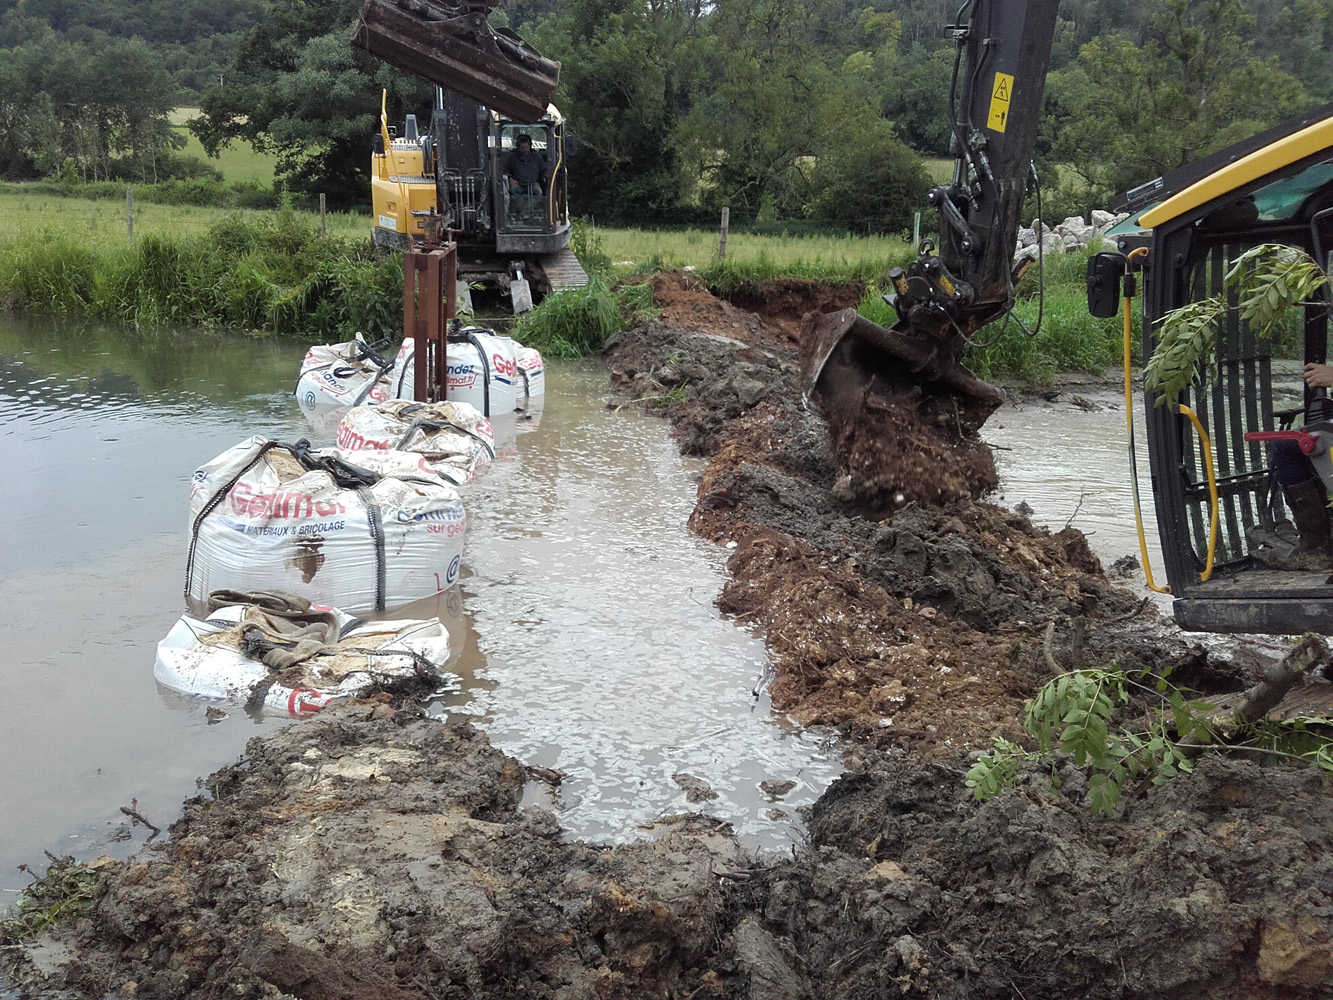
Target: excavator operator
column 527, row 173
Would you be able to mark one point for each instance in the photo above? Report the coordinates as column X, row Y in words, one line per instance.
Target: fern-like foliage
column 1079, row 714
column 1266, row 281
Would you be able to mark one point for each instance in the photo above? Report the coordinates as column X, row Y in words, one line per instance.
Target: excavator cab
column 1276, row 187
column 453, row 175
column 529, row 215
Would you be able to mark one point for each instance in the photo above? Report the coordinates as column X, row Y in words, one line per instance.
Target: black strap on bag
column 345, row 476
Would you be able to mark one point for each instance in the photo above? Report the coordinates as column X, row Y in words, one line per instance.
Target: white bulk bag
column 482, row 371
column 532, row 376
column 203, row 659
column 263, row 519
column 449, row 440
column 335, row 377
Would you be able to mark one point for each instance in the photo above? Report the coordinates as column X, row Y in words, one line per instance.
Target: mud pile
column 1214, row 887
column 359, row 857
column 923, row 629
column 921, row 633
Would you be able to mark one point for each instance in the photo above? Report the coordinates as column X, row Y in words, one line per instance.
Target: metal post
column 726, row 225
column 129, row 209
column 323, row 232
column 429, row 303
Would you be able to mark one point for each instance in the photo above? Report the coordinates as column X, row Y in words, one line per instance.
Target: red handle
column 1308, row 442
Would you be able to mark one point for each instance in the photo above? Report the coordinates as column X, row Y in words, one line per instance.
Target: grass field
column 238, row 161
column 54, row 243
column 633, row 249
column 103, row 222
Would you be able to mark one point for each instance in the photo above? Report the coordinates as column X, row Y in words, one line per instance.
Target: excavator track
column 563, row 270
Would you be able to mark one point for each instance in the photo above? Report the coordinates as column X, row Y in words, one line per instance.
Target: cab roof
column 1276, row 152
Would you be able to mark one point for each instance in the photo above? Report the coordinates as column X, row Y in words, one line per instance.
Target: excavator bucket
column 846, row 360
column 454, row 47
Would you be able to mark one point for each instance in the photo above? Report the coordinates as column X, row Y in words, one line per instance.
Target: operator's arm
column 1319, row 376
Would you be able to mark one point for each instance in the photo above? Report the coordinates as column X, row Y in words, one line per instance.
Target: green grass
column 576, row 322
column 239, row 161
column 632, row 250
column 272, row 274
column 940, row 169
column 102, row 222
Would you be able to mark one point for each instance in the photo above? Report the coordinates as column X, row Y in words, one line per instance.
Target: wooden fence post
column 323, row 232
column 129, row 209
column 722, row 239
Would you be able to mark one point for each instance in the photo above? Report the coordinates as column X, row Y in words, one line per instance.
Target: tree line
column 812, row 110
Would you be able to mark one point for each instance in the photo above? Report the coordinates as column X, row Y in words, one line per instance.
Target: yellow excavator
column 493, row 90
column 1212, row 467
column 1218, row 501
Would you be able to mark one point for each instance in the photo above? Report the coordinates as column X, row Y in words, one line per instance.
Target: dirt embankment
column 363, row 858
column 921, row 630
column 369, row 853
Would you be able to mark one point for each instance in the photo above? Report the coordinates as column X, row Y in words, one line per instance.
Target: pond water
column 1069, row 462
column 591, row 640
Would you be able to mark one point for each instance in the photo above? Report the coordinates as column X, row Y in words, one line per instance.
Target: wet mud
column 372, row 853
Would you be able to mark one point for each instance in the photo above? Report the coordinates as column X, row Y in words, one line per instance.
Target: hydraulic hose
column 1129, row 428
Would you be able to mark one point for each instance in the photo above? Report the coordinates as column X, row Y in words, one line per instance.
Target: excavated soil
column 370, row 853
column 362, row 857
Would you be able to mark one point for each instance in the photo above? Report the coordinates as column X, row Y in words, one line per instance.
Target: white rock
column 1027, row 237
column 1103, row 220
column 1072, row 224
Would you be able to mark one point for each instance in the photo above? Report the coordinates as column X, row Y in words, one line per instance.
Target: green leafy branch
column 1075, row 714
column 1266, row 281
column 66, row 890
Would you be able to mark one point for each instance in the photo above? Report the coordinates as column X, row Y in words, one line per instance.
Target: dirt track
column 369, row 853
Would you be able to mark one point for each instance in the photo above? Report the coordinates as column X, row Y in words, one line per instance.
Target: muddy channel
column 762, row 703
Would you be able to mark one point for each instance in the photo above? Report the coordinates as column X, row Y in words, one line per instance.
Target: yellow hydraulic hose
column 1207, row 448
column 1129, row 427
column 1212, row 489
column 559, row 162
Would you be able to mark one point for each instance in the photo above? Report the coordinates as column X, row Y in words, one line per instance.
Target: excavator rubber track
column 454, row 47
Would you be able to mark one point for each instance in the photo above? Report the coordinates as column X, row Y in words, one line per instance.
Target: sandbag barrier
column 495, row 374
column 277, row 653
column 299, row 519
column 317, row 524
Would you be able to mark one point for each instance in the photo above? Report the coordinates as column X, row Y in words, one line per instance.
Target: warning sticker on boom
column 999, row 102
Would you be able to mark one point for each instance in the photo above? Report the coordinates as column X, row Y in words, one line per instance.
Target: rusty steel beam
column 453, row 47
column 430, row 281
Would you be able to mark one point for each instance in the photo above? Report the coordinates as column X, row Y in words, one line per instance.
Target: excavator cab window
column 525, row 176
column 1267, row 570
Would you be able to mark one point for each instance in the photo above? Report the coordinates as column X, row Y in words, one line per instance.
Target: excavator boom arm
column 964, row 280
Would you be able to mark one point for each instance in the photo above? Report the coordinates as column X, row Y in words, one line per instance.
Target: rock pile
column 1070, row 235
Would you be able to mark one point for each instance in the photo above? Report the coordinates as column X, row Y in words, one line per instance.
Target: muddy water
column 1070, row 464
column 99, row 432
column 597, row 639
column 592, row 641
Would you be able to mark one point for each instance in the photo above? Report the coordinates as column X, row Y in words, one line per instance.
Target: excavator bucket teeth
column 460, row 52
column 845, row 358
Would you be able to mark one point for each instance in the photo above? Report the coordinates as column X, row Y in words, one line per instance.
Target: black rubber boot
column 1309, row 512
